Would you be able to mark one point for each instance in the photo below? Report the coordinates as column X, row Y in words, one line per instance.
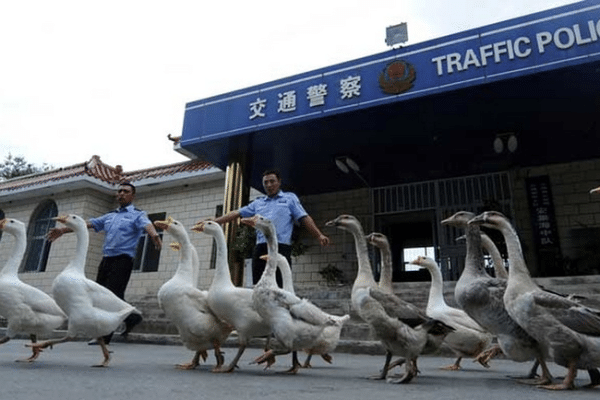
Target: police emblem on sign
column 397, row 77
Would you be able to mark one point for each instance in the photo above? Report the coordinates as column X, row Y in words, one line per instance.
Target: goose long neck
column 222, row 273
column 436, row 292
column 474, row 261
column 267, row 279
column 185, row 269
column 286, row 275
column 18, row 251
column 195, row 266
column 385, row 280
column 492, row 250
column 364, row 277
column 83, row 239
column 272, row 245
column 518, row 269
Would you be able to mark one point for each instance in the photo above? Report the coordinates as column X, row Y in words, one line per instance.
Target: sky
column 111, row 78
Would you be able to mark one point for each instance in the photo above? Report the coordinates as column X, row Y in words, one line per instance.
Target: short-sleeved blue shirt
column 123, row 228
column 284, row 209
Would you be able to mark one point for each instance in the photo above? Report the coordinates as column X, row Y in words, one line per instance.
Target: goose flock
column 505, row 313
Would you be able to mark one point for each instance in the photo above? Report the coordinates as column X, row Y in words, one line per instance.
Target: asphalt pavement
column 147, row 371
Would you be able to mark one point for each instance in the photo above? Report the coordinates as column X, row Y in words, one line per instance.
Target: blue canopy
column 426, row 111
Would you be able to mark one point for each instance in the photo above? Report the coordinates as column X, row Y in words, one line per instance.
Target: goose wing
column 103, row 298
column 398, row 308
column 456, row 317
column 308, row 312
column 300, row 309
column 40, row 302
column 584, row 320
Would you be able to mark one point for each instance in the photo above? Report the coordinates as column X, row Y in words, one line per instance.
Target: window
column 414, row 252
column 38, row 247
column 147, row 256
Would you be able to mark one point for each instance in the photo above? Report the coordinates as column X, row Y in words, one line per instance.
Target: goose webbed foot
column 39, row 346
column 267, row 357
column 327, row 358
column 485, row 356
column 192, row 364
column 386, row 367
column 219, row 356
column 188, row 366
column 307, row 362
column 105, row 353
column 567, row 384
column 532, row 378
column 396, row 363
column 411, row 372
column 233, row 365
column 539, row 381
column 453, row 367
column 295, row 364
column 230, row 368
column 36, row 352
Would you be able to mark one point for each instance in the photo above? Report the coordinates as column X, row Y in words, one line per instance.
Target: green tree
column 14, row 166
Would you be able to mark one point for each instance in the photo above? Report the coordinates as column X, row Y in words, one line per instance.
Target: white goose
column 187, row 306
column 229, row 303
column 481, row 297
column 468, row 339
column 402, row 328
column 380, row 241
column 27, row 309
column 93, row 310
column 329, row 338
column 296, row 323
column 569, row 331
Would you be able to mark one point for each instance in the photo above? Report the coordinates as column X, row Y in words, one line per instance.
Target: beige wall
column 341, row 252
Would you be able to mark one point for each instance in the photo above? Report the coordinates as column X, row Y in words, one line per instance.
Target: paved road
column 142, row 371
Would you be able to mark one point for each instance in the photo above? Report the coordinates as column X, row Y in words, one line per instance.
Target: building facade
column 503, row 117
column 193, row 190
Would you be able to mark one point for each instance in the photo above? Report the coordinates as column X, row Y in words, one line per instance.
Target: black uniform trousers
column 258, row 265
column 113, row 274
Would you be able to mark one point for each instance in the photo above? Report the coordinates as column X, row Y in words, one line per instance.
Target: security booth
column 501, row 117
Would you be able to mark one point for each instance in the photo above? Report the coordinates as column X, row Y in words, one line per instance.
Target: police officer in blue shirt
column 284, row 209
column 124, row 227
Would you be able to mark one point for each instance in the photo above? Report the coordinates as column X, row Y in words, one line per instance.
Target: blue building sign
column 548, row 40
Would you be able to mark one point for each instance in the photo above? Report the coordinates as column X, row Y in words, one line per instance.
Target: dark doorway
column 410, row 234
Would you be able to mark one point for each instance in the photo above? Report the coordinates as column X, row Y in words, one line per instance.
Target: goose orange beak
column 2, row 223
column 165, row 224
column 61, row 218
column 199, row 227
column 250, row 221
